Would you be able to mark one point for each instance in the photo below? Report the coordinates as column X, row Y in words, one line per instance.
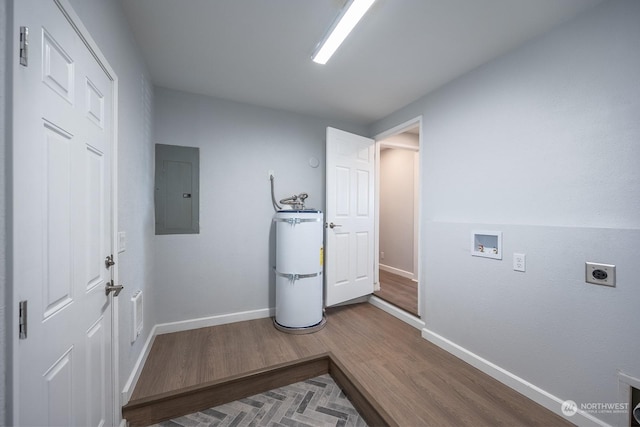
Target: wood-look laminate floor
column 416, row 382
column 399, row 291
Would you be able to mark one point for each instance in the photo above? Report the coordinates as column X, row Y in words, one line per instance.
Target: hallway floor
column 399, row 291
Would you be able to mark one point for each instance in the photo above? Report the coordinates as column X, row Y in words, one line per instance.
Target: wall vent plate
column 600, row 274
column 138, row 315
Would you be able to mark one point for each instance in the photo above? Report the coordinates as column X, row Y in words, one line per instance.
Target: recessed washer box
column 487, row 244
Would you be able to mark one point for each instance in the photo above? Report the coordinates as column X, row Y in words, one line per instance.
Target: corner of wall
column 185, row 325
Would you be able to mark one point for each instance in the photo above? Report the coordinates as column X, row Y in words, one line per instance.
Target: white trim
column 137, row 368
column 185, row 325
column 416, row 218
column 400, row 128
column 396, row 312
column 115, row 310
column 376, row 218
column 397, row 271
column 399, row 145
column 421, row 215
column 222, row 319
column 533, row 392
column 85, row 35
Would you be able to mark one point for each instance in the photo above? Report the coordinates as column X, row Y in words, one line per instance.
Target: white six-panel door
column 349, row 216
column 62, row 225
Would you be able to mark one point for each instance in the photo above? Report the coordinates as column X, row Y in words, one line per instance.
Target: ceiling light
column 340, row 29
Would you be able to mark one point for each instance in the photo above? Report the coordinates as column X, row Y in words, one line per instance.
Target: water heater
column 298, row 270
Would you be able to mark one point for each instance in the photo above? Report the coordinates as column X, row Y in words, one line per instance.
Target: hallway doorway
column 398, row 218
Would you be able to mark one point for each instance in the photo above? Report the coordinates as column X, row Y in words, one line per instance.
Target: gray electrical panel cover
column 177, row 189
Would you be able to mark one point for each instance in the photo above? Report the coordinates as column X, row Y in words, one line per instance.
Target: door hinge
column 24, row 46
column 22, row 320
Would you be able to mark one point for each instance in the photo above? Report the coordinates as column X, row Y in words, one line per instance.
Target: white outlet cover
column 519, row 262
column 600, row 274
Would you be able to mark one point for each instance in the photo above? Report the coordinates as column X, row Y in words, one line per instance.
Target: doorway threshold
column 396, row 312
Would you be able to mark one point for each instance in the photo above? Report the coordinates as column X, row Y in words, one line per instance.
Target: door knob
column 332, row 225
column 113, row 288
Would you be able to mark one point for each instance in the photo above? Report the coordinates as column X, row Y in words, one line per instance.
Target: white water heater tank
column 299, row 265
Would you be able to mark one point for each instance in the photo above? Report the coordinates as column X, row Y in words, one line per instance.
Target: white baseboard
column 137, row 368
column 403, row 273
column 185, row 325
column 222, row 319
column 549, row 401
column 396, row 312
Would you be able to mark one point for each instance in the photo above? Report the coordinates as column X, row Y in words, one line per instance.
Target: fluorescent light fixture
column 340, row 29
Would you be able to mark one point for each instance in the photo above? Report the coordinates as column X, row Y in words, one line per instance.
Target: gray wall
column 110, row 30
column 4, row 354
column 227, row 267
column 544, row 145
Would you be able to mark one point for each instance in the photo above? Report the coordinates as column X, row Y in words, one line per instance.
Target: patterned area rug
column 317, row 402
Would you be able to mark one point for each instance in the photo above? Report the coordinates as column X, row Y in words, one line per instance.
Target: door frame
column 417, row 218
column 84, row 34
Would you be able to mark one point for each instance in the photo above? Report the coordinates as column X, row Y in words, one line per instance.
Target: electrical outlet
column 519, row 262
column 600, row 274
column 381, row 255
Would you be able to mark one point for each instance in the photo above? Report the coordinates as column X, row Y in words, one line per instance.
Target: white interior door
column 349, row 216
column 62, row 224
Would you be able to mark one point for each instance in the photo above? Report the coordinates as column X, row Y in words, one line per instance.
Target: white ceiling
column 258, row 51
